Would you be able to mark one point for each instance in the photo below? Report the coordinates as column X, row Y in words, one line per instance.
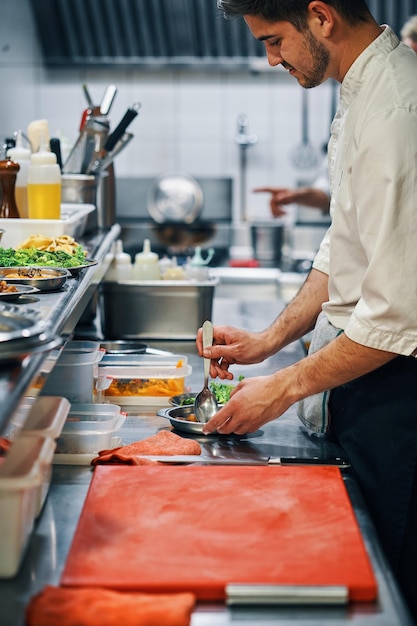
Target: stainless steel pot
column 267, row 240
column 97, row 189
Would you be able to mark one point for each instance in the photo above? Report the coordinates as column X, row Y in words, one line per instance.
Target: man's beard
column 320, row 57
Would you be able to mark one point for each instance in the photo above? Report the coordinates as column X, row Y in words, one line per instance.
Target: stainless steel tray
column 51, row 278
column 21, row 290
column 159, row 309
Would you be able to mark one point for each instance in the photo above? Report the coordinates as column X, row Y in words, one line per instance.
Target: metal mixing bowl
column 44, row 278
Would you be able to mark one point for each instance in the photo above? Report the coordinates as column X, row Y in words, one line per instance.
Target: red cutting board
column 198, row 528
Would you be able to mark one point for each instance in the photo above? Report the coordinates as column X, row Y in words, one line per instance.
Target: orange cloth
column 5, row 445
column 163, row 443
column 94, row 606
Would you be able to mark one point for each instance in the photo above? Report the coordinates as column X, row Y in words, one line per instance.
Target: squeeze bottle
column 21, row 155
column 44, row 185
column 122, row 263
column 146, row 264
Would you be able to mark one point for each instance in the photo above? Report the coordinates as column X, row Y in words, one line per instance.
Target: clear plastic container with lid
column 44, row 185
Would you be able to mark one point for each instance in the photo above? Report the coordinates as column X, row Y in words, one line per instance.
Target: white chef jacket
column 370, row 249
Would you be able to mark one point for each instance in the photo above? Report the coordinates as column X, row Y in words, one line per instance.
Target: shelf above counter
column 58, row 312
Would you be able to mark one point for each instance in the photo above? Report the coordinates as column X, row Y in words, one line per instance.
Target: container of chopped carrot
column 142, row 378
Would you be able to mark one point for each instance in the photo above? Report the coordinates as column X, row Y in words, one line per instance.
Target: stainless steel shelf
column 60, row 312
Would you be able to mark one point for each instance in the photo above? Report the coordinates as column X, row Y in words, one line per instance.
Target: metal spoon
column 205, row 405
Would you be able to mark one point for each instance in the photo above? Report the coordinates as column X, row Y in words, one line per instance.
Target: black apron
column 374, row 420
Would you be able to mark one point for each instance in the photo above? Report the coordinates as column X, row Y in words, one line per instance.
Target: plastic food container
column 73, row 223
column 75, row 372
column 144, row 378
column 43, row 417
column 25, row 476
column 89, row 428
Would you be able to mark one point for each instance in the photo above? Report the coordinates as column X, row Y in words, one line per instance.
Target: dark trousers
column 374, row 420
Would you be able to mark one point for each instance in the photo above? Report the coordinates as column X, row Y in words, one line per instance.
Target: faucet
column 244, row 141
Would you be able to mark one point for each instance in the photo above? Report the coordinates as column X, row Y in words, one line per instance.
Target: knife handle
column 114, row 137
column 315, row 460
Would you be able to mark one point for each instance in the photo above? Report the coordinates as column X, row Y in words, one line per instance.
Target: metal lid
column 175, row 198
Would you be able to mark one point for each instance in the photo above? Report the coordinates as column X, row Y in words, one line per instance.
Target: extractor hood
column 142, row 33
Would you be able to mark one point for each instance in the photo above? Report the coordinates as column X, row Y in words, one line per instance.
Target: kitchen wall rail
column 60, row 312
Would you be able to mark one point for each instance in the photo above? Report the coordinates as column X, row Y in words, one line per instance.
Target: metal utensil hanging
column 305, row 156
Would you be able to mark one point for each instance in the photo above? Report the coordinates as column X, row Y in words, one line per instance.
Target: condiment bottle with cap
column 44, row 185
column 8, row 173
column 21, row 155
column 146, row 264
column 122, row 263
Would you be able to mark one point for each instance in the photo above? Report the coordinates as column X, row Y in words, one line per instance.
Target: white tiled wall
column 188, row 119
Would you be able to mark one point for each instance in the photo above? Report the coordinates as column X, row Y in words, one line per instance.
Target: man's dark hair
column 293, row 11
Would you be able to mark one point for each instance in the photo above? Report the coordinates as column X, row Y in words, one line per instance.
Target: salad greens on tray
column 32, row 256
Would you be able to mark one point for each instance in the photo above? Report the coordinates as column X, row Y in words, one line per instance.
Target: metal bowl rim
column 57, row 272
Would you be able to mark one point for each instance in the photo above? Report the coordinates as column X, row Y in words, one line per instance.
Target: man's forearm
column 341, row 361
column 300, row 315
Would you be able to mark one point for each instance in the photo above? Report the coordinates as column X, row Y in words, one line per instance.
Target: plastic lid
column 43, row 157
column 121, row 257
column 146, row 256
column 19, row 152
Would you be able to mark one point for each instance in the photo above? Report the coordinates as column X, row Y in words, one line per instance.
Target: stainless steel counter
column 53, row 534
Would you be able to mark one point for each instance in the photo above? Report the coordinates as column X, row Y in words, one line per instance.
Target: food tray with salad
column 44, row 251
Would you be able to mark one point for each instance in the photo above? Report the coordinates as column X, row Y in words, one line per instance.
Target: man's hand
column 231, row 346
column 307, row 196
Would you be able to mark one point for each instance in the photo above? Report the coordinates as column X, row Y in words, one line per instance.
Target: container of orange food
column 143, row 378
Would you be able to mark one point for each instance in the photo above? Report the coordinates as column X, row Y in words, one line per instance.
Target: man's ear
column 321, row 17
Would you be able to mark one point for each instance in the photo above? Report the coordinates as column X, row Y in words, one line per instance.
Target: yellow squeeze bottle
column 44, row 185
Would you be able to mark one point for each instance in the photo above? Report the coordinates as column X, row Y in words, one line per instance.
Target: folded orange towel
column 164, row 443
column 93, row 606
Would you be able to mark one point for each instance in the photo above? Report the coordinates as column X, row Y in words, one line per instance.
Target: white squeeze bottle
column 44, row 185
column 122, row 262
column 146, row 264
column 21, row 155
